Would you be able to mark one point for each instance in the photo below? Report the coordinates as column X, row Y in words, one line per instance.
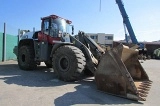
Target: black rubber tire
column 26, row 58
column 69, row 63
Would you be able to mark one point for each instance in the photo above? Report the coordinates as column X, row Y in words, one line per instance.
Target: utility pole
column 4, row 44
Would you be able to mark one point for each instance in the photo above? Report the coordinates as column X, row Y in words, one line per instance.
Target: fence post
column 18, row 36
column 4, row 44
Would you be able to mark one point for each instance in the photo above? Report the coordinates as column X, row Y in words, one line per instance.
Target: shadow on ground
column 41, row 77
column 86, row 92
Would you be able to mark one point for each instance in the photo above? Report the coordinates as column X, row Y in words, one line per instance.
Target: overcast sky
column 86, row 15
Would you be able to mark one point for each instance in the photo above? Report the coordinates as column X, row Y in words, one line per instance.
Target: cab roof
column 54, row 17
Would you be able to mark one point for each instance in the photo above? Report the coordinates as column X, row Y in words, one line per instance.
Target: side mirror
column 72, row 29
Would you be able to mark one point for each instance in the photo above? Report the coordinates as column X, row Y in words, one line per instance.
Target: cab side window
column 46, row 27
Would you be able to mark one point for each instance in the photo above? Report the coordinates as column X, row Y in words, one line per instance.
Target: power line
column 100, row 6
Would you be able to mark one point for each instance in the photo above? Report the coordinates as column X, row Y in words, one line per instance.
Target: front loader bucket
column 120, row 73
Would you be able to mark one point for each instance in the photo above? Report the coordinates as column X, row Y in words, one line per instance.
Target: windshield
column 59, row 26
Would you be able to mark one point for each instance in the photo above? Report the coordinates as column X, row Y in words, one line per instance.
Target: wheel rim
column 64, row 63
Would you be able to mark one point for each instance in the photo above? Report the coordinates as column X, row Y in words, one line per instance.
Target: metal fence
column 8, row 41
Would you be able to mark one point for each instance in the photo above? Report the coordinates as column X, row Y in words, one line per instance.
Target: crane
column 127, row 24
column 126, row 21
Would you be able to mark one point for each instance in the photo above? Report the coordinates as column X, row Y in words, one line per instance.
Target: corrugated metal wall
column 11, row 42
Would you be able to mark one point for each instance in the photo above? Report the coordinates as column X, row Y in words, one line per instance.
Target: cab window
column 54, row 30
column 46, row 27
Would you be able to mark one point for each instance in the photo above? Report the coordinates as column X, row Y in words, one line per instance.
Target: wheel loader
column 117, row 71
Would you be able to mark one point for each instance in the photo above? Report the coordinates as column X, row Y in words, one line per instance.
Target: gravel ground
column 41, row 88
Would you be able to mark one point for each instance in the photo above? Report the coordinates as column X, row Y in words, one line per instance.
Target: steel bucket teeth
column 142, row 99
column 142, row 94
column 143, row 91
column 144, row 86
column 147, row 82
column 120, row 73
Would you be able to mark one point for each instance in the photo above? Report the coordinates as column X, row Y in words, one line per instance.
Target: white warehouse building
column 102, row 38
